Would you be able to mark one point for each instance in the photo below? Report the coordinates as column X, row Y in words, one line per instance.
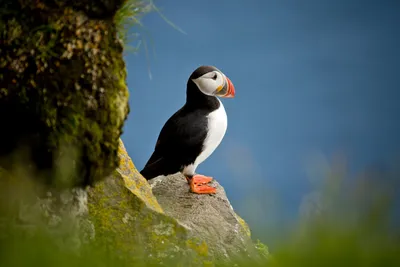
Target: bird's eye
column 215, row 76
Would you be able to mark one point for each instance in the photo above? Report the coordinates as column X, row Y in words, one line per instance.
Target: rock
column 134, row 181
column 120, row 215
column 164, row 220
column 31, row 209
column 128, row 219
column 66, row 210
column 207, row 217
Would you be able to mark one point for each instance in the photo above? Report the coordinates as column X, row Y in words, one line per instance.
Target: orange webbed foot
column 198, row 184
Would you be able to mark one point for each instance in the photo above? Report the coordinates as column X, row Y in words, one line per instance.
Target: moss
column 244, row 225
column 262, row 249
column 126, row 225
column 62, row 84
column 128, row 219
column 100, row 9
column 134, row 181
column 199, row 246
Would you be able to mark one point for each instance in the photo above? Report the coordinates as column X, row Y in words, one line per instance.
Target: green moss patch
column 62, row 85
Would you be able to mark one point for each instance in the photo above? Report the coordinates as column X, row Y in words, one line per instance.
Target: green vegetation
column 354, row 229
column 128, row 16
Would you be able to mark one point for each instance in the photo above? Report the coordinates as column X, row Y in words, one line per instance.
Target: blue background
column 313, row 79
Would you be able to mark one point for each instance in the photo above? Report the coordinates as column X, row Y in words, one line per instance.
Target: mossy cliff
column 128, row 219
column 65, row 176
column 119, row 218
column 172, row 224
column 62, row 85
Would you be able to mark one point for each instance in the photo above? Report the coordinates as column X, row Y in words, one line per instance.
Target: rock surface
column 128, row 218
column 119, row 214
column 122, row 215
column 208, row 217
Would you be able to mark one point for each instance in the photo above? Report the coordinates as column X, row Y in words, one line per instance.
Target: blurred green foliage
column 354, row 227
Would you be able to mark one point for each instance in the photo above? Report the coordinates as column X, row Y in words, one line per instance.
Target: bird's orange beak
column 227, row 91
column 231, row 89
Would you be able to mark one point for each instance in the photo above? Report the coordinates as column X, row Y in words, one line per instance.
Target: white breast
column 217, row 125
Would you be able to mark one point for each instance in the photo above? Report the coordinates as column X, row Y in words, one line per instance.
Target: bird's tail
column 154, row 169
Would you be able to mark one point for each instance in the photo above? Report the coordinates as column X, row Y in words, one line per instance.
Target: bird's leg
column 198, row 184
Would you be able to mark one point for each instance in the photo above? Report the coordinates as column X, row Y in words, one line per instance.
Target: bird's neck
column 196, row 99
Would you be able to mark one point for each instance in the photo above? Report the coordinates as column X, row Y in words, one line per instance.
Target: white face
column 210, row 82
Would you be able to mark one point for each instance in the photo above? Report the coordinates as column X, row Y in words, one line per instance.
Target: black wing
column 179, row 143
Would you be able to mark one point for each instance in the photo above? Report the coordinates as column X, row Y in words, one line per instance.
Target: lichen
column 262, row 249
column 127, row 215
column 62, row 84
column 199, row 246
column 126, row 225
column 244, row 225
column 134, row 181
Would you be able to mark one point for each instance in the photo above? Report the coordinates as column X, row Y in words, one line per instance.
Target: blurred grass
column 353, row 228
column 132, row 31
column 129, row 16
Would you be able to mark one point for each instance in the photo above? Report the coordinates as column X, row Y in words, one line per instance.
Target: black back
column 182, row 136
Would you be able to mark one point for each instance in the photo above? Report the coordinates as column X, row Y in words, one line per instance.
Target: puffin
column 193, row 132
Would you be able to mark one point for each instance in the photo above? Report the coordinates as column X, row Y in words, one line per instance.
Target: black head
column 208, row 82
column 200, row 71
